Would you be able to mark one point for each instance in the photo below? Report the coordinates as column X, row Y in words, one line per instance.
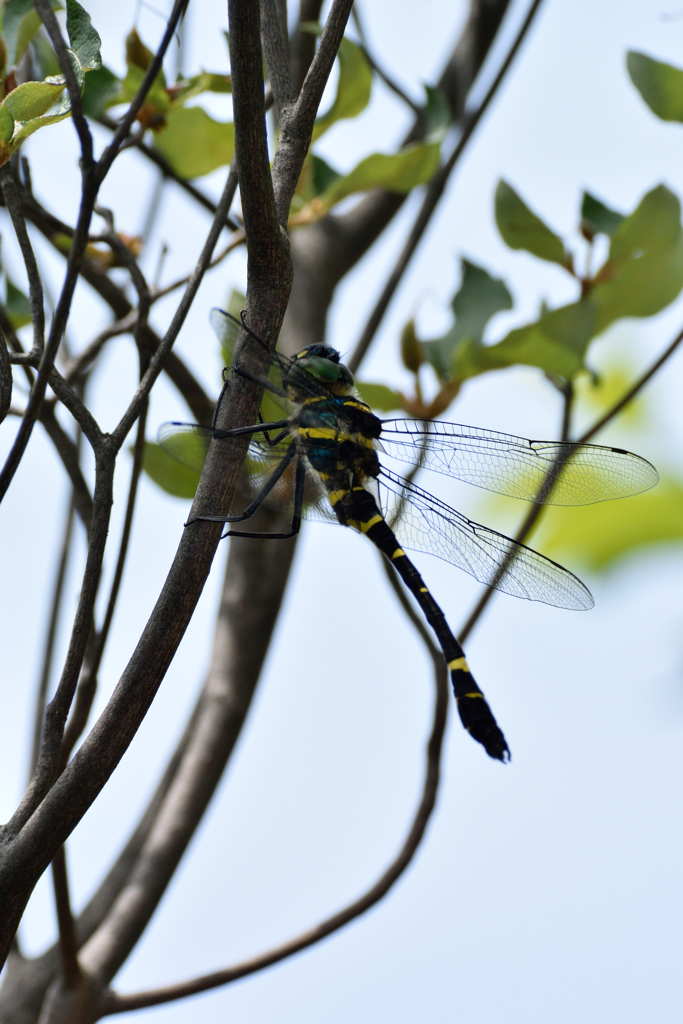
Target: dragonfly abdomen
column 356, row 507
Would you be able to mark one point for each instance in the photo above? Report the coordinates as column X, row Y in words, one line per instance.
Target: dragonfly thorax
column 323, row 363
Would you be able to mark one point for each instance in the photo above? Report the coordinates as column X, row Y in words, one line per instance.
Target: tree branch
column 276, row 57
column 114, row 1003
column 35, row 286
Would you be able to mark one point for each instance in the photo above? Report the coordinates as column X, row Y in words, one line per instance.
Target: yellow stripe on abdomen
column 461, row 665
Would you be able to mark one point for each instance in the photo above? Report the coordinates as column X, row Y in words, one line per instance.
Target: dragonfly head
column 322, row 363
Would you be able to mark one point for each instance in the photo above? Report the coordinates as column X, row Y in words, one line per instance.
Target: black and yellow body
column 322, row 460
column 345, row 460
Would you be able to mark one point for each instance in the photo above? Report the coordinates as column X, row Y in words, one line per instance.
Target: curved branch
column 115, row 1003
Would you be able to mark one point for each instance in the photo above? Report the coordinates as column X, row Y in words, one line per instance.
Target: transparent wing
column 542, row 471
column 426, row 524
column 188, row 443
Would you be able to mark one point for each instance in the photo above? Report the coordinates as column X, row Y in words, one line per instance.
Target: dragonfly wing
column 541, row 471
column 423, row 523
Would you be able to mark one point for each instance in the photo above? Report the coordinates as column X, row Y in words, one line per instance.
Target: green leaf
column 353, row 88
column 6, row 125
column 17, row 305
column 438, row 115
column 556, row 343
column 644, row 272
column 660, row 85
column 32, row 99
column 598, row 218
column 479, row 297
column 47, row 65
column 20, row 23
column 226, row 330
column 193, row 143
column 102, row 90
column 85, row 41
column 156, row 95
column 205, row 81
column 173, row 477
column 522, row 229
column 399, row 172
column 379, row 396
column 598, row 535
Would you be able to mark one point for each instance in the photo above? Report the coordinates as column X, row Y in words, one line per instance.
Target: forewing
column 423, row 523
column 543, row 471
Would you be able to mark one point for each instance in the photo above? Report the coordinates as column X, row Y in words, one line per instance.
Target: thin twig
column 434, row 192
column 162, row 163
column 35, row 286
column 115, row 1003
column 238, row 239
column 534, row 512
column 157, row 364
column 46, row 670
column 72, row 975
column 112, row 150
column 388, row 81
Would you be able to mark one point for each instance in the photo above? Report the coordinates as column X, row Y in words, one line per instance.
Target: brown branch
column 297, row 120
column 112, row 150
column 162, row 163
column 276, row 57
column 35, row 285
column 72, row 976
column 156, row 365
column 46, row 670
column 115, row 1003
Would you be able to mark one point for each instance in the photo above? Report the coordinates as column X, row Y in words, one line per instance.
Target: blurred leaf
column 379, row 396
column 157, row 101
column 479, row 297
column 85, row 41
column 137, row 54
column 103, row 89
column 20, row 23
column 556, row 343
column 226, row 330
column 193, row 143
column 598, row 535
column 316, row 176
column 438, row 115
column 660, row 85
column 598, row 217
column 603, row 390
column 398, row 172
column 411, row 350
column 354, row 86
column 17, row 305
column 47, row 65
column 644, row 272
column 172, row 476
column 205, row 81
column 522, row 229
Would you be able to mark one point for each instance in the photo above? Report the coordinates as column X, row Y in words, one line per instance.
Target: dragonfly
column 323, row 457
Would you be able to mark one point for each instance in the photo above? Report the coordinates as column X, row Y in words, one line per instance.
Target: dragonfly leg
column 299, row 481
column 260, row 498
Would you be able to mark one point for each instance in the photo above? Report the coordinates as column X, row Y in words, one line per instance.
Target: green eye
column 322, row 369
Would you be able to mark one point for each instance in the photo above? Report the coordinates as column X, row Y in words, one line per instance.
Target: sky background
column 546, row 889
